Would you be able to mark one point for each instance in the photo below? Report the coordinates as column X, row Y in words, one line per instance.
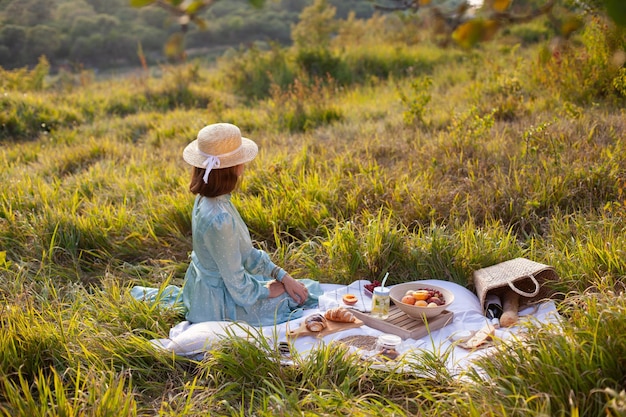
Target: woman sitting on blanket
column 228, row 279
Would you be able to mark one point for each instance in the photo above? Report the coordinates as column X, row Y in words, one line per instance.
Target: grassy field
column 409, row 159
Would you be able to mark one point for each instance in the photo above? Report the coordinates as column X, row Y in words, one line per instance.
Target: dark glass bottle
column 493, row 309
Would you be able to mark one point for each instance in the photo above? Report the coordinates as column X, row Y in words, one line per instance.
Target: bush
column 320, row 63
column 365, row 62
column 24, row 80
column 251, row 73
column 584, row 72
column 304, row 106
column 179, row 88
column 529, row 33
column 25, row 117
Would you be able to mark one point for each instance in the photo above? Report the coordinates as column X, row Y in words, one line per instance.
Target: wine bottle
column 493, row 309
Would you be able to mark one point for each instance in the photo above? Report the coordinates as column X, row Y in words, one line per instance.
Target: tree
column 5, row 56
column 67, row 13
column 154, row 16
column 315, row 27
column 41, row 40
column 106, row 6
column 13, row 38
column 29, row 12
column 468, row 24
column 186, row 12
column 85, row 26
column 459, row 20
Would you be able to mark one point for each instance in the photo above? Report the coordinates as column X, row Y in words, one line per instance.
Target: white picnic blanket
column 188, row 339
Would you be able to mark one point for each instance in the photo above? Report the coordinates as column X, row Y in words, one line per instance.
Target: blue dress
column 226, row 278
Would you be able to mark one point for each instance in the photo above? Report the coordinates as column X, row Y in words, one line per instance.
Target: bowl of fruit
column 421, row 300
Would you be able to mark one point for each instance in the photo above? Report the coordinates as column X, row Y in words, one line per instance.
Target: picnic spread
column 461, row 327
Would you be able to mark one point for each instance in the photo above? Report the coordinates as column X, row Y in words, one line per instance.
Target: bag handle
column 524, row 293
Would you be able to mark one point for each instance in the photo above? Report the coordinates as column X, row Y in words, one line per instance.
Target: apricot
column 420, row 303
column 408, row 299
column 421, row 294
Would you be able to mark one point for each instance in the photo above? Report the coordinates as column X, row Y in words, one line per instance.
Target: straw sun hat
column 219, row 145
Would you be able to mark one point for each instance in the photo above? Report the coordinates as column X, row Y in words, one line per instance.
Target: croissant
column 315, row 322
column 340, row 314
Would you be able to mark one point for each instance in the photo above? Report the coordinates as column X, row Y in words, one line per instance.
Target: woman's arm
column 258, row 261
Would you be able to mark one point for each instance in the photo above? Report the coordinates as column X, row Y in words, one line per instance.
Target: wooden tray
column 333, row 327
column 400, row 324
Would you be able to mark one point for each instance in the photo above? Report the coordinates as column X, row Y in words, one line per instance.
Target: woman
column 228, row 279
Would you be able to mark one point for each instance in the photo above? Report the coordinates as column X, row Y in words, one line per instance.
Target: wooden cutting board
column 333, row 327
column 400, row 324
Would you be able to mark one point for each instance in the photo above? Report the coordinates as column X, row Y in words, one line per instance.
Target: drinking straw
column 382, row 285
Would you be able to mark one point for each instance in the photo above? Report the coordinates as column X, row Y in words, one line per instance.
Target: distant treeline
column 110, row 33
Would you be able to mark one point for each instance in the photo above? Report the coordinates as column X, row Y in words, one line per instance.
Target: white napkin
column 334, row 298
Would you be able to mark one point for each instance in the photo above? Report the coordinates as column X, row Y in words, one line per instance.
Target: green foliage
column 251, row 73
column 585, row 74
column 28, row 12
column 583, row 354
column 105, row 35
column 619, row 82
column 320, row 63
column 366, row 249
column 364, row 65
column 303, row 107
column 24, row 80
column 529, row 33
column 26, row 116
column 54, row 396
column 41, row 40
column 181, row 88
column 616, row 11
column 416, row 101
column 506, row 98
column 315, row 27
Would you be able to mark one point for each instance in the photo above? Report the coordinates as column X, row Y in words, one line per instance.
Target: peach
column 350, row 299
column 420, row 303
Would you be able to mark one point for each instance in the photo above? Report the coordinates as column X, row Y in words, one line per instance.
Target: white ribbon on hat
column 209, row 163
column 213, row 161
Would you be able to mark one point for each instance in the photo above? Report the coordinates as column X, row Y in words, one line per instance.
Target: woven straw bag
column 523, row 276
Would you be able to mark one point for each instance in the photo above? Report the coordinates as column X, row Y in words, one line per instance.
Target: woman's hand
column 276, row 288
column 295, row 289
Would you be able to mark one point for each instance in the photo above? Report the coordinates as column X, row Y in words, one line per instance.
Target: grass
column 430, row 164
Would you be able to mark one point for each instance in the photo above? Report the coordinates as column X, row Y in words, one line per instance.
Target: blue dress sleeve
column 257, row 262
column 222, row 239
